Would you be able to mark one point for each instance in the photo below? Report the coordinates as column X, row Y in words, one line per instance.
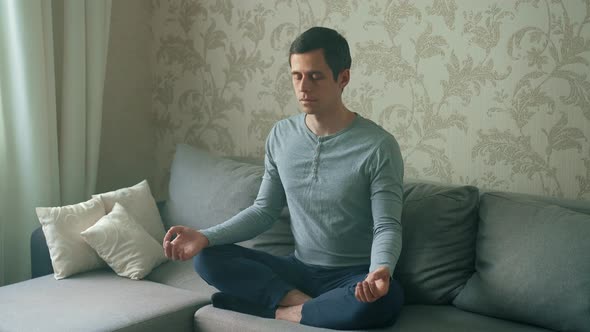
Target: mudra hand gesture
column 186, row 244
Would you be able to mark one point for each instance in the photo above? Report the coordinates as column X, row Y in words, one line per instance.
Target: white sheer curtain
column 52, row 68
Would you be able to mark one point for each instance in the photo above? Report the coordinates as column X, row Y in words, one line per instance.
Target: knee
column 207, row 262
column 384, row 311
column 371, row 315
column 392, row 303
column 200, row 261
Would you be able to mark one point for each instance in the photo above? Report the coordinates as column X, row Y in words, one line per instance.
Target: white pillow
column 69, row 253
column 124, row 244
column 140, row 204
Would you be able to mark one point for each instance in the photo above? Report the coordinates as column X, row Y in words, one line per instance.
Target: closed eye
column 317, row 76
column 314, row 76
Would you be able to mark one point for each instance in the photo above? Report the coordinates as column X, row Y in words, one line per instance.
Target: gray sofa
column 471, row 261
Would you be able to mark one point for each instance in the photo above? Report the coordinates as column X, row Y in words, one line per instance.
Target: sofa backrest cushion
column 438, row 252
column 532, row 263
column 206, row 190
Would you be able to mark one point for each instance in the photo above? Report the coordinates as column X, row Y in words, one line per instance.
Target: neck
column 330, row 123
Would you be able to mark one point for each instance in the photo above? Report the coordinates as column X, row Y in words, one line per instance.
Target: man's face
column 314, row 83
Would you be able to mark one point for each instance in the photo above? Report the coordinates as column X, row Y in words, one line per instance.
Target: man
column 341, row 176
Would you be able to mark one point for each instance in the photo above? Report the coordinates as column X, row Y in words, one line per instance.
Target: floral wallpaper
column 490, row 93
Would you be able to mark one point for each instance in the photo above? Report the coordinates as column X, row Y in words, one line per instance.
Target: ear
column 344, row 78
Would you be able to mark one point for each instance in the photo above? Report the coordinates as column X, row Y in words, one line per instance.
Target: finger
column 374, row 291
column 363, row 291
column 368, row 295
column 173, row 230
column 357, row 292
column 167, row 249
column 167, row 238
column 174, row 253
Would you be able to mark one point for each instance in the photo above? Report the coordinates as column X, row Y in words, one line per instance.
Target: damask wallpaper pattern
column 490, row 93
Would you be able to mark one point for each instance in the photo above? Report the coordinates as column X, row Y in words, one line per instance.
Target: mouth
column 307, row 100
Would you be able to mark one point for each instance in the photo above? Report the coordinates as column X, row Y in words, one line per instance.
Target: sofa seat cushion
column 413, row 318
column 96, row 301
column 532, row 263
column 181, row 275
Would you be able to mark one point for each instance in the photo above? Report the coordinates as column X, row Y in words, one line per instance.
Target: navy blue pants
column 265, row 279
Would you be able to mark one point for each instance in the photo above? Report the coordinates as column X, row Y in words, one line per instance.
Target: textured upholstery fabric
column 96, row 301
column 413, row 318
column 532, row 264
column 181, row 275
column 206, row 190
column 438, row 253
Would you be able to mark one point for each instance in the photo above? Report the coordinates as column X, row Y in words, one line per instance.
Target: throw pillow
column 438, row 251
column 125, row 245
column 532, row 264
column 140, row 204
column 62, row 226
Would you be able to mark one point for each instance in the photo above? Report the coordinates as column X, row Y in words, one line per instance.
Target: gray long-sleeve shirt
column 344, row 193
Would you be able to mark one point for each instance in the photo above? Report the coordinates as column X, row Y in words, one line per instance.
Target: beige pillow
column 124, row 244
column 69, row 253
column 141, row 206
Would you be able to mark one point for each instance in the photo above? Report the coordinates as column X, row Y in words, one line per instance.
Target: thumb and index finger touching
column 166, row 242
column 174, row 230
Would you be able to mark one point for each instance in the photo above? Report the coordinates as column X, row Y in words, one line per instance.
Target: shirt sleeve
column 387, row 172
column 261, row 215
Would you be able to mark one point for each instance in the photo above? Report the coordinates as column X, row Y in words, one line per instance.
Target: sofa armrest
column 40, row 259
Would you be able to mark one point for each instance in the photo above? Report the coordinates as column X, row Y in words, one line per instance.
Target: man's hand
column 375, row 285
column 187, row 243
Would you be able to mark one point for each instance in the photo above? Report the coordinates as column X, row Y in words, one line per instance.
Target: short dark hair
column 335, row 47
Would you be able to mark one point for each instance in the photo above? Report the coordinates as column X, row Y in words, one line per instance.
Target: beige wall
column 128, row 140
column 491, row 93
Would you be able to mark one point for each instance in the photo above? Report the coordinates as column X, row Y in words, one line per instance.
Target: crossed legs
column 291, row 305
column 292, row 291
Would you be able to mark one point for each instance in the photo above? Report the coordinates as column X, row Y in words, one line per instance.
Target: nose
column 305, row 84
